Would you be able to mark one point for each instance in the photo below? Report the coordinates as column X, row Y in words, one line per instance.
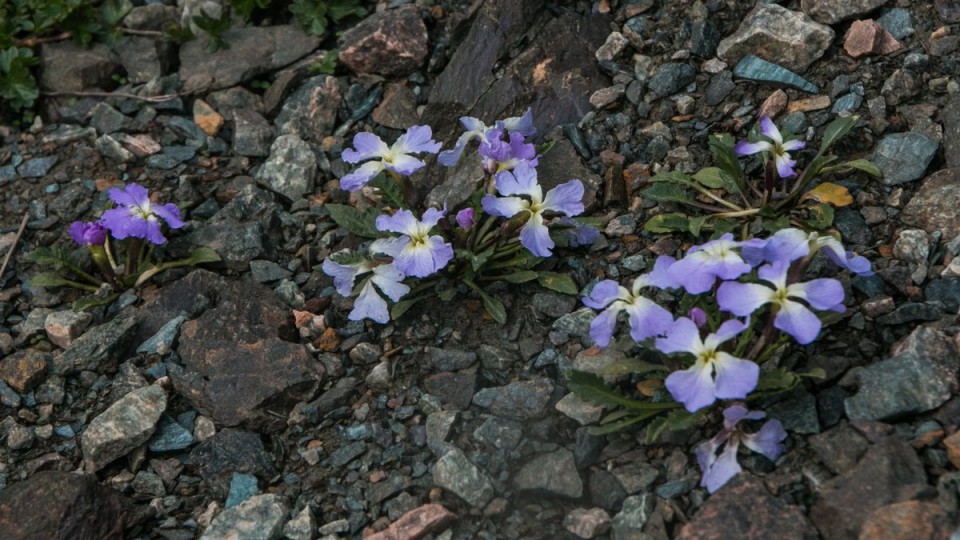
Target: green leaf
column 522, row 276
column 341, row 9
column 113, row 11
column 667, row 192
column 721, row 145
column 611, row 426
column 629, row 366
column 667, row 223
column 674, row 420
column 674, row 177
column 776, row 380
column 311, row 15
column 710, row 177
column 864, row 165
column 362, row 224
column 328, row 65
column 477, row 260
column 836, row 130
column 401, row 307
column 447, row 294
column 561, row 283
column 695, row 224
column 821, row 216
column 92, row 301
column 494, row 307
column 17, row 85
column 200, row 255
column 48, row 279
column 390, row 190
column 591, row 388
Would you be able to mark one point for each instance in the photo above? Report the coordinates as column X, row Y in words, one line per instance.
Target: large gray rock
column 311, row 110
column 252, row 51
column 521, row 400
column 53, row 504
column 125, row 425
column 921, row 376
column 67, row 66
column 936, row 205
column 455, row 473
column 554, row 473
column 391, row 42
column 243, row 230
column 774, row 33
column 834, row 11
column 260, row 517
column 100, row 348
column 904, row 157
column 291, row 168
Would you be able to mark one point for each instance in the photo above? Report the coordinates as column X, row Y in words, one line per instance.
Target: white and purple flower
column 719, row 469
column 714, row 374
column 344, row 275
column 523, row 195
column 700, row 268
column 647, row 318
column 505, row 151
column 379, row 157
column 791, row 316
column 369, row 304
column 792, row 244
column 476, row 129
column 775, row 147
column 137, row 217
column 416, row 253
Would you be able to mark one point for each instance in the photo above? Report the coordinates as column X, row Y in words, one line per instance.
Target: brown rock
column 907, row 520
column 774, row 104
column 206, row 118
column 63, row 327
column 953, row 448
column 936, row 205
column 889, row 472
column 70, row 67
column 392, row 42
column 23, row 370
column 142, row 145
column 868, row 37
column 815, row 103
column 417, row 523
column 744, row 509
column 328, row 340
column 73, row 506
column 398, row 109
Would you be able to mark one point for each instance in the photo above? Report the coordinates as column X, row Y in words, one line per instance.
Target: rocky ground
column 238, row 398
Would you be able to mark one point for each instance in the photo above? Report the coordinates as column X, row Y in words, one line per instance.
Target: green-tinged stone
column 757, row 69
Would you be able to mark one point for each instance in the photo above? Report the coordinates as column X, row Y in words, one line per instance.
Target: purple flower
column 776, row 147
column 718, row 470
column 369, row 304
column 416, row 253
column 466, row 218
column 137, row 217
column 700, row 268
column 565, row 199
column 792, row 244
column 478, row 130
column 379, row 157
column 792, row 317
column 698, row 316
column 88, row 234
column 504, row 154
column 714, row 374
column 345, row 274
column 647, row 318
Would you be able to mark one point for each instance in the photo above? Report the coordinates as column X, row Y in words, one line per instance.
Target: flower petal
column 747, row 148
column 742, row 299
column 416, row 139
column 769, row 130
column 388, row 278
column 648, row 319
column 603, row 325
column 733, row 414
column 131, row 195
column 153, row 233
column 693, row 387
column 503, row 206
column 724, row 468
column 566, row 198
column 795, row 319
column 389, row 246
column 359, row 177
column 431, row 216
column 736, row 377
column 536, row 237
column 603, row 294
column 823, row 293
column 682, row 336
column 767, row 441
column 727, row 331
column 123, row 224
column 660, row 276
column 170, row 213
column 403, row 222
column 785, row 166
column 522, row 180
column 343, row 275
column 366, row 146
column 787, row 245
column 369, row 305
column 521, row 124
column 692, row 272
column 795, row 144
column 404, row 165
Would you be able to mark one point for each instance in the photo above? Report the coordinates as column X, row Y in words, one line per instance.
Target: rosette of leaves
column 482, row 256
column 723, row 198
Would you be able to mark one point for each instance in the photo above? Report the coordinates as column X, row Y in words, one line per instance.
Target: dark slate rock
column 553, row 305
column 162, row 161
column 100, row 348
column 889, row 472
column 390, row 42
column 834, row 11
column 495, row 358
column 162, row 342
column 554, row 473
column 946, row 290
column 67, row 66
column 450, row 360
column 125, row 425
column 744, row 508
column 231, row 451
column 719, row 88
column 636, row 511
column 74, row 506
column 921, row 376
column 347, row 453
column 268, row 271
column 499, row 433
column 904, row 157
column 605, row 490
column 704, row 38
column 170, row 436
column 839, row 448
column 455, row 473
column 563, row 164
column 144, row 58
column 291, row 168
column 936, row 204
column 912, row 312
column 311, row 110
column 252, row 51
column 243, row 230
column 670, row 78
column 522, row 400
column 853, row 228
column 455, row 389
column 797, row 413
column 757, row 69
column 236, row 367
column 242, row 487
column 105, row 119
column 951, row 131
column 899, row 22
column 261, row 516
column 252, row 134
column 37, row 167
column 848, row 103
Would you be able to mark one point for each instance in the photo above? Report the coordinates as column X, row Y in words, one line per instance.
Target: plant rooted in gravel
column 136, row 223
column 728, row 198
column 502, row 233
column 744, row 301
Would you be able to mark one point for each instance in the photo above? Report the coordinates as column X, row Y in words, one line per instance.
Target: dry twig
column 16, row 239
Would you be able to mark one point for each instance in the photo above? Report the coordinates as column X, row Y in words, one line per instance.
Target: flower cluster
column 411, row 247
column 773, row 147
column 135, row 216
column 737, row 286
